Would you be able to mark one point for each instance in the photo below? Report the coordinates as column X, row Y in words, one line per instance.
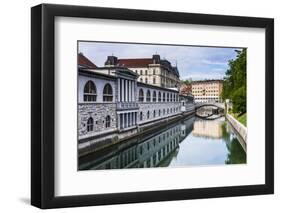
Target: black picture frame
column 43, row 102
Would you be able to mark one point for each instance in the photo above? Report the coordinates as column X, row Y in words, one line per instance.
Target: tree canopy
column 234, row 85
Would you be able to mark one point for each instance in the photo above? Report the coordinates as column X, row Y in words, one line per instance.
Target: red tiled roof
column 135, row 62
column 84, row 61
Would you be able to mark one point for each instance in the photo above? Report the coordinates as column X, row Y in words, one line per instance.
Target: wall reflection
column 205, row 128
column 187, row 142
column 152, row 150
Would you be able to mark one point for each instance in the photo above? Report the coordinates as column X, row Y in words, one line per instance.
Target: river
column 189, row 142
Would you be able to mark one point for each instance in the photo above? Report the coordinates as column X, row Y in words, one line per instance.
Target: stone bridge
column 219, row 112
column 218, row 105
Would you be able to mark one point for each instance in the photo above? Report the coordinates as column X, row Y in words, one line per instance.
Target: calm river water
column 189, row 142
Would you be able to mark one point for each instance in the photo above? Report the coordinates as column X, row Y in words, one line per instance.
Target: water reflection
column 185, row 143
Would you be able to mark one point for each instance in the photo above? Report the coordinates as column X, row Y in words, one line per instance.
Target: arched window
column 141, row 72
column 154, row 72
column 140, row 95
column 107, row 93
column 154, row 96
column 141, row 80
column 159, row 112
column 147, row 116
column 90, row 124
column 146, row 80
column 145, row 72
column 148, row 98
column 164, row 97
column 90, row 92
column 154, row 113
column 154, row 81
column 167, row 111
column 141, row 116
column 164, row 112
column 159, row 96
column 168, row 97
column 107, row 121
column 174, row 99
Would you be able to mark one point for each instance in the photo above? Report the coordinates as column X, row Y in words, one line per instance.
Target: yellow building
column 207, row 91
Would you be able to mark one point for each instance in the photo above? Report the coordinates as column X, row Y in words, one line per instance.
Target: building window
column 154, row 96
column 164, row 112
column 140, row 95
column 140, row 116
column 147, row 116
column 141, row 80
column 148, row 98
column 154, row 81
column 159, row 96
column 154, row 72
column 159, row 112
column 90, row 92
column 141, row 72
column 145, row 72
column 154, row 113
column 164, row 97
column 107, row 121
column 146, row 80
column 168, row 97
column 90, row 124
column 107, row 93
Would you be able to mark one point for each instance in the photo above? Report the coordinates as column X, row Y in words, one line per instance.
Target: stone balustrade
column 126, row 105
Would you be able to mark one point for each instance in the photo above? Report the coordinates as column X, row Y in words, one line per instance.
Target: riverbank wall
column 96, row 144
column 239, row 128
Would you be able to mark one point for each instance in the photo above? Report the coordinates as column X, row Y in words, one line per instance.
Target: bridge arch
column 217, row 110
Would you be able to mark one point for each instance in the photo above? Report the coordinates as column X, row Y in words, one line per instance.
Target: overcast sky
column 198, row 63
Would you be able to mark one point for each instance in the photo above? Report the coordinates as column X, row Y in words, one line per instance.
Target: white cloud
column 192, row 61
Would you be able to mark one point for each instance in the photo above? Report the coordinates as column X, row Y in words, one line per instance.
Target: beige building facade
column 154, row 71
column 208, row 91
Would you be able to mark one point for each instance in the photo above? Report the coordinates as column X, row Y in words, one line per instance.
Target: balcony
column 127, row 105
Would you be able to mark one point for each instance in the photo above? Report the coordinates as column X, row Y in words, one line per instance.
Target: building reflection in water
column 187, row 142
column 150, row 151
column 207, row 128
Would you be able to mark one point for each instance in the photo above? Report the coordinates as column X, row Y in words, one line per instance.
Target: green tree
column 234, row 86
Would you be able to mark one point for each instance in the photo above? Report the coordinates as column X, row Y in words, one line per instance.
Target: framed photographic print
column 140, row 106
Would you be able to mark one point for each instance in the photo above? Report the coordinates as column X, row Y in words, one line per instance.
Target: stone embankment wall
column 240, row 128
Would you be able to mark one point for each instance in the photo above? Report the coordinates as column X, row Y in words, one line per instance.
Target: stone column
column 119, row 89
column 127, row 119
column 123, row 121
column 126, row 90
column 129, row 91
column 133, row 91
column 123, row 90
column 119, row 121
